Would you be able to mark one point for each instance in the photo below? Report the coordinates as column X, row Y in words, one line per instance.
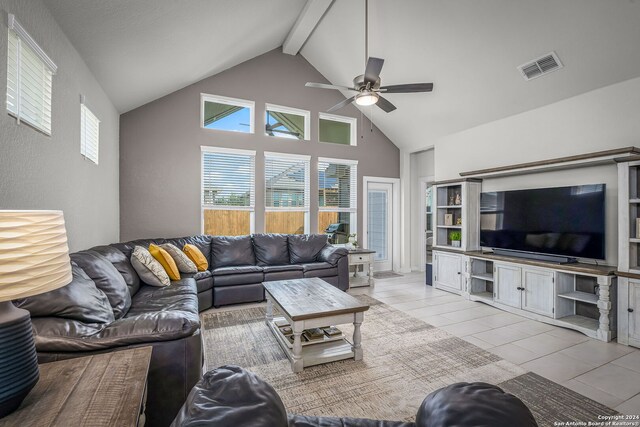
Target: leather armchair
column 231, row 396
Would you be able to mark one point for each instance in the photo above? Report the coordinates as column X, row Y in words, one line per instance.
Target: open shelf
column 580, row 296
column 450, row 207
column 459, row 227
column 483, row 276
column 634, row 201
column 582, row 321
column 483, row 295
column 634, row 240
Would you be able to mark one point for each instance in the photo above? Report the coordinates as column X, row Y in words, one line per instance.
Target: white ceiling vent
column 541, row 66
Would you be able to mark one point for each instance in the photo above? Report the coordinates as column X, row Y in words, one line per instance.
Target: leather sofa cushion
column 107, row 278
column 304, row 248
column 204, row 280
column 283, row 275
column 201, row 242
column 122, row 264
column 237, row 279
column 223, row 271
column 473, row 404
column 231, row 396
column 80, row 300
column 278, row 268
column 316, row 266
column 271, row 249
column 228, row 251
column 180, row 296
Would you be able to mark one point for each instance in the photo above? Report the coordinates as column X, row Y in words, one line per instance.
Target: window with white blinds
column 228, row 191
column 337, row 184
column 337, row 198
column 89, row 134
column 29, row 79
column 228, row 178
column 286, row 182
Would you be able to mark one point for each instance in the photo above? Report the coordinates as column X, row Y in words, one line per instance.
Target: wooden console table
column 102, row 390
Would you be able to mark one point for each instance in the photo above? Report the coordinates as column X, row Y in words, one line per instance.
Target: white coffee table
column 314, row 303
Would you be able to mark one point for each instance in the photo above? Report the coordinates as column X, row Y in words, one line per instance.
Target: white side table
column 362, row 257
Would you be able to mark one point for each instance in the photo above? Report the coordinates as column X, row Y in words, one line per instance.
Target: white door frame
column 424, row 182
column 395, row 219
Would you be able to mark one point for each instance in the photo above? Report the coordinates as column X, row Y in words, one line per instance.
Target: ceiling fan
column 367, row 85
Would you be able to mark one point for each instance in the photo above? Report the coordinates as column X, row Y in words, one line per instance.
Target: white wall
column 422, row 166
column 48, row 172
column 602, row 119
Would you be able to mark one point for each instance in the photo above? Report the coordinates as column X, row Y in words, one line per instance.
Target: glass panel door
column 379, row 224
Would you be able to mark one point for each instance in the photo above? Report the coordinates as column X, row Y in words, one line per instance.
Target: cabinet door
column 508, row 281
column 634, row 316
column 448, row 272
column 538, row 291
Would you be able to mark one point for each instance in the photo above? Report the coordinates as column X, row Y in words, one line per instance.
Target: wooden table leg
column 269, row 316
column 370, row 273
column 297, row 364
column 357, row 336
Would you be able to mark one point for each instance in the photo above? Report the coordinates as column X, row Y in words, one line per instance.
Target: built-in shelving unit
column 457, row 213
column 481, row 279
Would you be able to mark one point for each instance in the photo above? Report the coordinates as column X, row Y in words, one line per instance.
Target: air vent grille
column 538, row 67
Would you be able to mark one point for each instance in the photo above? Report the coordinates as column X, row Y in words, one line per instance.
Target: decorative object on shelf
column 458, row 199
column 448, row 219
column 452, row 200
column 459, row 221
column 34, row 259
column 455, row 237
column 353, row 241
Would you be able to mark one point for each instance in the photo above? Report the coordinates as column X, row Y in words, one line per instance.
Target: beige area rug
column 404, row 360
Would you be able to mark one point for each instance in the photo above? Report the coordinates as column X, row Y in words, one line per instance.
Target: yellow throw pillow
column 165, row 260
column 196, row 256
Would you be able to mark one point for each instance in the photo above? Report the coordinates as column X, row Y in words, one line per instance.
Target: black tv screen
column 566, row 221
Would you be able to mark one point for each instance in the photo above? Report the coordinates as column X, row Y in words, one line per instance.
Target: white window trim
column 24, row 35
column 84, row 109
column 289, row 110
column 351, row 120
column 307, row 188
column 251, row 105
column 203, row 207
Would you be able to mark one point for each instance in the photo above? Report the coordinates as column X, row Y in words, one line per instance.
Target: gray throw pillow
column 185, row 265
column 148, row 268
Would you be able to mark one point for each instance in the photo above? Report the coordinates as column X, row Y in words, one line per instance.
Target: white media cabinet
column 576, row 296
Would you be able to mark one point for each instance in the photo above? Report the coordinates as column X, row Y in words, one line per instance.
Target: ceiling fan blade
column 386, row 106
column 326, row 86
column 407, row 88
column 372, row 72
column 341, row 104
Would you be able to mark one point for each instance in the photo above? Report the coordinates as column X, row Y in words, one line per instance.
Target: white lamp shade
column 34, row 256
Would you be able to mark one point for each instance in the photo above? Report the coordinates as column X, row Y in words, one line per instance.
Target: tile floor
column 606, row 372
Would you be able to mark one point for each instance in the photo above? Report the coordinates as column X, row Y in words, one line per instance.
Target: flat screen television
column 560, row 221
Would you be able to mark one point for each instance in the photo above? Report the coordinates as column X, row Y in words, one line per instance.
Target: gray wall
column 602, row 119
column 42, row 172
column 160, row 145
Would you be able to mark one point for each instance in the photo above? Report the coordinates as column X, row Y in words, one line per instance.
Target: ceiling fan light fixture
column 366, row 97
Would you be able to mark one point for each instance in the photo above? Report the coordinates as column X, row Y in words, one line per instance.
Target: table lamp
column 34, row 258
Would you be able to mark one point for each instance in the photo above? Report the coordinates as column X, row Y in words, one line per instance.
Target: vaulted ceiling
column 144, row 49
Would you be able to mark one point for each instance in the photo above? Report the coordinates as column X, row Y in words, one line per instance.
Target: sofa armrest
column 54, row 334
column 332, row 254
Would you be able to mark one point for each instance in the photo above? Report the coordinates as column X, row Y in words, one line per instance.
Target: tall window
column 286, row 193
column 223, row 113
column 337, row 197
column 29, row 79
column 89, row 134
column 228, row 191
